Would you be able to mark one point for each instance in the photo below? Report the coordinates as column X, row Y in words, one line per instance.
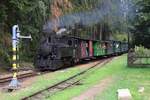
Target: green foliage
column 141, row 51
column 5, row 57
column 30, row 15
column 120, row 36
column 141, row 25
column 112, row 21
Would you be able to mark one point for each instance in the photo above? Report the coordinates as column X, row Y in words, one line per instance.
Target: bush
column 5, row 45
column 5, row 57
column 142, row 51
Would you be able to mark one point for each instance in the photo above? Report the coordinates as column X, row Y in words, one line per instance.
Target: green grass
column 123, row 77
column 93, row 77
column 131, row 78
column 41, row 82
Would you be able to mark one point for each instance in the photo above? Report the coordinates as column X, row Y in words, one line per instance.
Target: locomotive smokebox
column 45, row 49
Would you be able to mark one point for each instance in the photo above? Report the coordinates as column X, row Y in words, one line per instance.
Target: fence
column 138, row 60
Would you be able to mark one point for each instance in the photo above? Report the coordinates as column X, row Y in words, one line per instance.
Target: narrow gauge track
column 71, row 81
column 20, row 76
column 30, row 73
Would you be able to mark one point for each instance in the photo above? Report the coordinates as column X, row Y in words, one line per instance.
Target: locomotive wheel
column 72, row 62
column 76, row 61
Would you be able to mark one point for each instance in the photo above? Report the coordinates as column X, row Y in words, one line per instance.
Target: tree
column 142, row 24
column 31, row 15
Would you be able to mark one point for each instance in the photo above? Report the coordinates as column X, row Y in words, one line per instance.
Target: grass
column 123, row 77
column 131, row 78
column 93, row 77
column 41, row 82
column 142, row 61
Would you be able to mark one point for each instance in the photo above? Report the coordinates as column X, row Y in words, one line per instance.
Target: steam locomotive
column 56, row 51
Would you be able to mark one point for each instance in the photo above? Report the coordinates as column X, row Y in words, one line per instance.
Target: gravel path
column 91, row 93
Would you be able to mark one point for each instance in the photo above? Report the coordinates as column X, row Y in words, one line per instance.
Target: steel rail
column 73, row 80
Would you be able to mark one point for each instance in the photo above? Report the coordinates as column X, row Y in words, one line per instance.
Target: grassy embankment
column 123, row 77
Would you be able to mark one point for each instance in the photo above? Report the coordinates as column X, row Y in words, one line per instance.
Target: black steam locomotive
column 56, row 51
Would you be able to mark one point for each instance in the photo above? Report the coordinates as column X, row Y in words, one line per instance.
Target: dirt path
column 95, row 90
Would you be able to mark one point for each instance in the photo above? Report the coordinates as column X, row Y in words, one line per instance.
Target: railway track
column 71, row 81
column 20, row 76
column 25, row 74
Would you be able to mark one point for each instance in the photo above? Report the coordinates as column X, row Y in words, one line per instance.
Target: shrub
column 141, row 51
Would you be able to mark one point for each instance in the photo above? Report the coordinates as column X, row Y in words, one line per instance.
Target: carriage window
column 69, row 42
column 76, row 42
column 117, row 45
column 49, row 40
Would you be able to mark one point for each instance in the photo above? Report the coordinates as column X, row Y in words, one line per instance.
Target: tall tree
column 142, row 24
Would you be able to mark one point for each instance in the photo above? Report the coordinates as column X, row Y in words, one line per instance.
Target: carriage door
column 90, row 48
column 76, row 48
